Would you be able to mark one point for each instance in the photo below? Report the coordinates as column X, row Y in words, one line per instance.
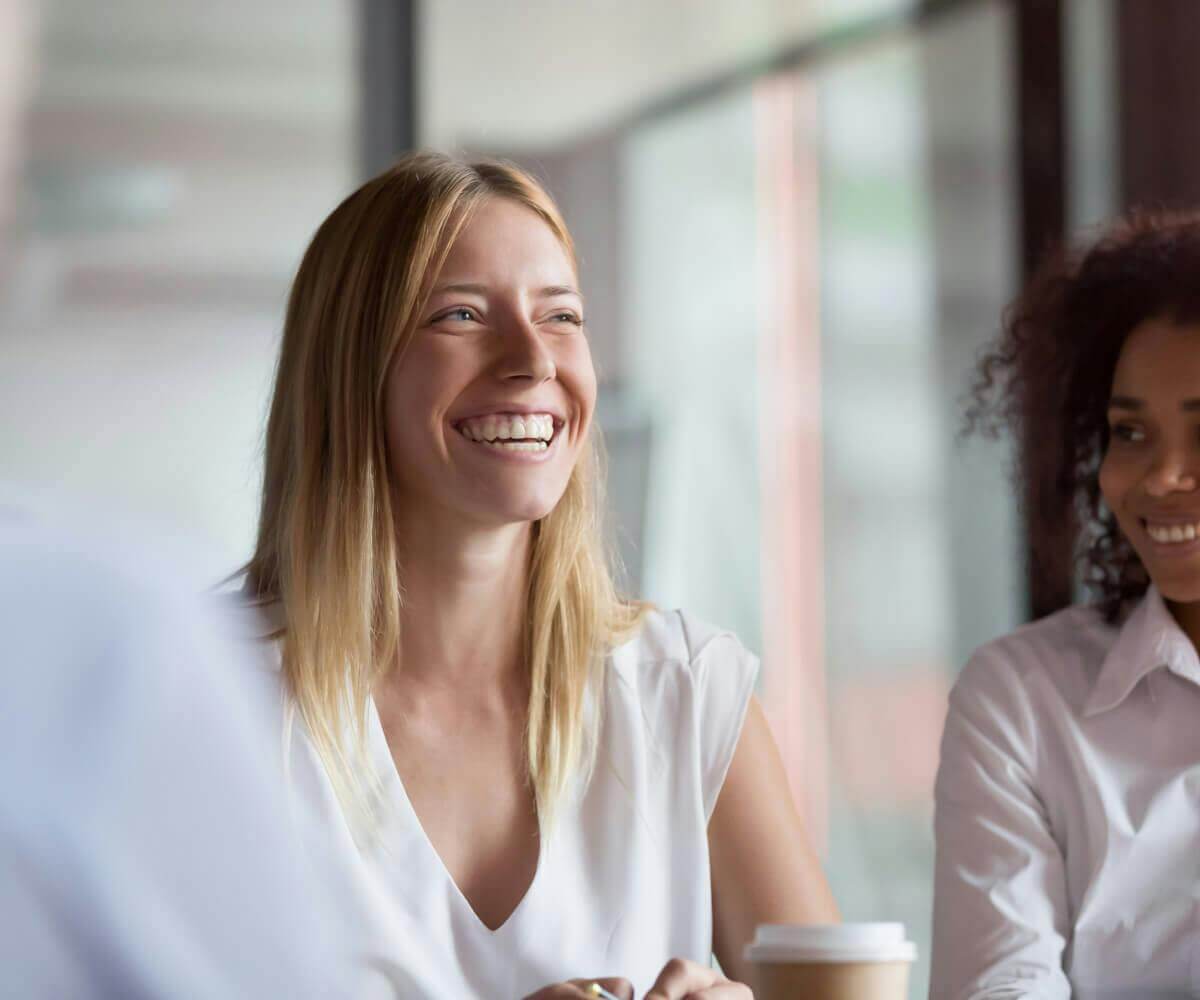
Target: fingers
column 618, row 987
column 558, row 991
column 575, row 989
column 726, row 990
column 681, row 978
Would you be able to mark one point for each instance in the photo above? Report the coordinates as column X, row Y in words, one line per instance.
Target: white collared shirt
column 1068, row 814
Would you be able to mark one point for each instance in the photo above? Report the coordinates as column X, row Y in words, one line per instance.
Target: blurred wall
column 17, row 33
column 177, row 158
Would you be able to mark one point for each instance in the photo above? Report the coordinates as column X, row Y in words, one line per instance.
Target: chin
column 524, row 516
column 520, row 510
column 1179, row 589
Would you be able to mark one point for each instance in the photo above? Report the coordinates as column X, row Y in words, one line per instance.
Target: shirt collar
column 1149, row 639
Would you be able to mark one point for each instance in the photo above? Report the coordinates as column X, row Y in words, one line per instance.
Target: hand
column 684, row 980
column 573, row 989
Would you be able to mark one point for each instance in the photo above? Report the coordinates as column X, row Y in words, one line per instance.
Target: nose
column 1171, row 473
column 525, row 355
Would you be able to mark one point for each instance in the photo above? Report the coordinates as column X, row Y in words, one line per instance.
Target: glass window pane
column 922, row 540
column 813, row 265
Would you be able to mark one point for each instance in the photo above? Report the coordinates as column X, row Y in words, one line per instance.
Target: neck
column 1187, row 614
column 463, row 604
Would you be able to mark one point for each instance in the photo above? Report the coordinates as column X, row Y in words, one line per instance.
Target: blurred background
column 799, row 220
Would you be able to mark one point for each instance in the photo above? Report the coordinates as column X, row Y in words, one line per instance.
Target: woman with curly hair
column 1068, row 797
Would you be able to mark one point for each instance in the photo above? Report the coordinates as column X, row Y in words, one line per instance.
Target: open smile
column 524, row 434
column 1172, row 538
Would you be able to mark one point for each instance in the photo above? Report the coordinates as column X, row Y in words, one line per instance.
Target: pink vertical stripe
column 790, row 439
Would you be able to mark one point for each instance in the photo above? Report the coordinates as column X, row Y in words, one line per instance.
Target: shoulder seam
column 687, row 639
column 694, row 654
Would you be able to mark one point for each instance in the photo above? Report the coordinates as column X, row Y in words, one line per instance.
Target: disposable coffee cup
column 830, row 962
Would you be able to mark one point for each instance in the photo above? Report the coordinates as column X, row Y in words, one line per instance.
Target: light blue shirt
column 145, row 848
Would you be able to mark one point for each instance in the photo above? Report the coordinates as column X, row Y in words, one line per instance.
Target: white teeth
column 534, row 428
column 1173, row 534
column 517, row 445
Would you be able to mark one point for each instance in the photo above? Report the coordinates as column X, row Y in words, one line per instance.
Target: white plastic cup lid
column 885, row 942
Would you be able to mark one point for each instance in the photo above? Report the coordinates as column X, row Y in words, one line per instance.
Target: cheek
column 578, row 375
column 422, row 385
column 407, row 412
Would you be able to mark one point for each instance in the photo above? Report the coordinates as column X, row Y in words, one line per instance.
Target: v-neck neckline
column 386, row 769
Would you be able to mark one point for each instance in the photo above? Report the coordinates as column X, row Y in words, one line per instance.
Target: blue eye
column 455, row 317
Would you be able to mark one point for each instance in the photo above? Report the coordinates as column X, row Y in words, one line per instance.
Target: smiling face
column 489, row 405
column 1151, row 470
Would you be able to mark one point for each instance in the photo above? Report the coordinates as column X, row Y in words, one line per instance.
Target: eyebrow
column 1124, row 403
column 473, row 289
column 1132, row 403
column 551, row 290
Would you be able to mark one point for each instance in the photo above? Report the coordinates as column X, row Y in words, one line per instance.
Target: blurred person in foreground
column 145, row 844
column 1068, row 816
column 558, row 786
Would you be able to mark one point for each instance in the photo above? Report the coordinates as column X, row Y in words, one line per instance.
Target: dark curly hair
column 1047, row 377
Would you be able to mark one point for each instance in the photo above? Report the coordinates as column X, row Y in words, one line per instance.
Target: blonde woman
column 527, row 783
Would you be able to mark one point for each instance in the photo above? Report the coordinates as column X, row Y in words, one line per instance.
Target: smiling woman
column 490, row 410
column 1066, row 816
column 516, row 775
column 1150, row 471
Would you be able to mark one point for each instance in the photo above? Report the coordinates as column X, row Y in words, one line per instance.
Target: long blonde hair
column 326, row 547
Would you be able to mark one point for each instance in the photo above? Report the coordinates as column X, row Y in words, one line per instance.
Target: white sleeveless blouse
column 623, row 882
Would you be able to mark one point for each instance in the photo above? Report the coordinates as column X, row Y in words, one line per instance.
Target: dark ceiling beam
column 1040, row 109
column 388, row 124
column 1158, row 65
